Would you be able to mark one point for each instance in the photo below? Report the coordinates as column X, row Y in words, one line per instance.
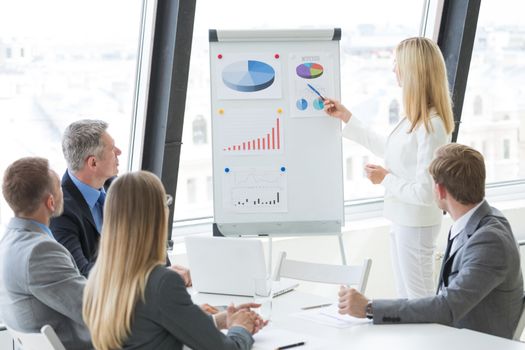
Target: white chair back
column 521, row 323
column 47, row 339
column 350, row 275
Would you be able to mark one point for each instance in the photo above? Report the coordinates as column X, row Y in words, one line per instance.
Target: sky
column 68, row 20
column 290, row 13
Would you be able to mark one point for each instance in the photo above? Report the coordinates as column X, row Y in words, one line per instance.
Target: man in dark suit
column 92, row 163
column 92, row 160
column 481, row 285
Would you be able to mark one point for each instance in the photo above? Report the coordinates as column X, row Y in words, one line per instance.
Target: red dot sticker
column 219, row 56
column 276, row 55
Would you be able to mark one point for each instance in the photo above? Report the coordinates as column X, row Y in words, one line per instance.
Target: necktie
column 445, row 258
column 100, row 208
column 449, row 246
column 101, row 199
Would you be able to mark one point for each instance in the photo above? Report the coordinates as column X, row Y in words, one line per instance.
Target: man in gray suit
column 39, row 281
column 480, row 286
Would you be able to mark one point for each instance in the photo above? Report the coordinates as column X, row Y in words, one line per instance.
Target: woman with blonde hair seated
column 131, row 300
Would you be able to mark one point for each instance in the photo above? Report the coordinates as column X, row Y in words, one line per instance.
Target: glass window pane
column 494, row 110
column 60, row 61
column 349, row 169
column 209, row 188
column 191, row 185
column 369, row 86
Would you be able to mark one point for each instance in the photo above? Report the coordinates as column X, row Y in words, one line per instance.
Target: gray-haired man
column 92, row 163
column 92, row 160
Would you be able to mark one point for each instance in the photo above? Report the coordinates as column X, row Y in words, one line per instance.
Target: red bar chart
column 268, row 139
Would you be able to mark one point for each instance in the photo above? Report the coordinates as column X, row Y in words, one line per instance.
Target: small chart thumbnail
column 310, row 82
column 249, row 132
column 255, row 190
column 247, row 77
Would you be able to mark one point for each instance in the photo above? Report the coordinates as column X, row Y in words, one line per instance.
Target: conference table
column 289, row 324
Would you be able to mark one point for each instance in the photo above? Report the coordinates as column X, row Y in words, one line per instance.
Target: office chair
column 47, row 339
column 521, row 323
column 350, row 275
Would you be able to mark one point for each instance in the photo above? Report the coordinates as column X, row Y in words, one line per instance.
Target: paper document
column 270, row 338
column 330, row 316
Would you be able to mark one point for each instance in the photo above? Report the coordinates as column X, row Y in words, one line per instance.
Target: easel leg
column 269, row 272
column 342, row 248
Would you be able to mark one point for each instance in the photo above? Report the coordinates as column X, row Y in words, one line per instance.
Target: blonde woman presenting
column 131, row 300
column 407, row 151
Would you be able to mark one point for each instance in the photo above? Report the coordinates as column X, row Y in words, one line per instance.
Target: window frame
column 441, row 20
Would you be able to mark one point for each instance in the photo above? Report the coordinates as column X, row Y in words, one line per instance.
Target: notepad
column 329, row 316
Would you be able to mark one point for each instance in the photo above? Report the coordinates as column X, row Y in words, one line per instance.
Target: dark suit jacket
column 167, row 319
column 75, row 229
column 482, row 282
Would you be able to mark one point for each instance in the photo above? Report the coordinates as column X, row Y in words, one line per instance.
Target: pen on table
column 315, row 90
column 315, row 306
column 290, row 346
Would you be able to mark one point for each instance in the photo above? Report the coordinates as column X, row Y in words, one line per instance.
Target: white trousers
column 412, row 251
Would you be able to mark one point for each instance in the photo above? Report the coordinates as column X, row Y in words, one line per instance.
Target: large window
column 60, row 61
column 493, row 119
column 370, row 30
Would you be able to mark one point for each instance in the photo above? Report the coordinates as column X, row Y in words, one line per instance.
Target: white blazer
column 409, row 193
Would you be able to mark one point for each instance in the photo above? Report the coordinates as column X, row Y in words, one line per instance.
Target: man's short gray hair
column 82, row 139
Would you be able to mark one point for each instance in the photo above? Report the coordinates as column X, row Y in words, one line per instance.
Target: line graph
column 256, row 190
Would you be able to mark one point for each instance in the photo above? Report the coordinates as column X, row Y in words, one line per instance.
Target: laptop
column 222, row 265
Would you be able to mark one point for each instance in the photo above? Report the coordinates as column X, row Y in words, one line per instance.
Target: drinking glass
column 262, row 294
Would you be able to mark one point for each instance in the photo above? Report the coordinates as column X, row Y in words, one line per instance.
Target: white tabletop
column 364, row 335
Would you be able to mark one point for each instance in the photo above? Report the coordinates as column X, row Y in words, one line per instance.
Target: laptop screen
column 224, row 265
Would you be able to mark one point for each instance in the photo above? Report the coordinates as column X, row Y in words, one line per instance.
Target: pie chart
column 248, row 76
column 318, row 104
column 301, row 104
column 309, row 70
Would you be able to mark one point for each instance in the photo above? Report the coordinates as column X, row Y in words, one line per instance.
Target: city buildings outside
column 48, row 80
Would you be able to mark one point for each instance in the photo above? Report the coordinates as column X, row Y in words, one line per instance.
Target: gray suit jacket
column 40, row 284
column 481, row 282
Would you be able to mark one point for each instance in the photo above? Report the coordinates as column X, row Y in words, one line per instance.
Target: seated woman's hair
column 133, row 242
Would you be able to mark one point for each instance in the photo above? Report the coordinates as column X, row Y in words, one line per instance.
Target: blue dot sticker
column 226, row 170
column 283, row 169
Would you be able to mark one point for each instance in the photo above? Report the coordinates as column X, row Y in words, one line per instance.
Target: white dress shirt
column 459, row 225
